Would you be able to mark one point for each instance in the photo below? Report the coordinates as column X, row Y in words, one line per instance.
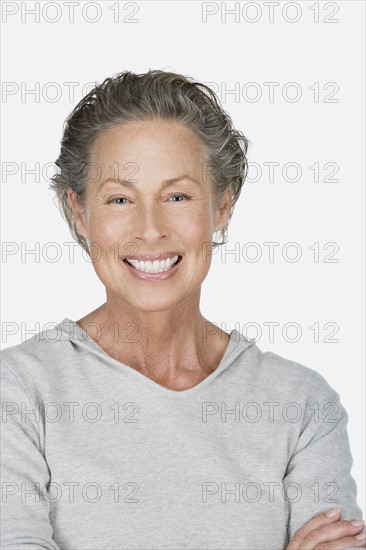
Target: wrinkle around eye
column 113, row 200
column 186, row 197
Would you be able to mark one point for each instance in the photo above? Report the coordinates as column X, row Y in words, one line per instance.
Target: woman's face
column 150, row 214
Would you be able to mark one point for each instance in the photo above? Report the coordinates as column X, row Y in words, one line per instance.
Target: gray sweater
column 96, row 455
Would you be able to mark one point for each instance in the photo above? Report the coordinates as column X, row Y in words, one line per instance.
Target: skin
column 327, row 533
column 168, row 328
column 171, row 346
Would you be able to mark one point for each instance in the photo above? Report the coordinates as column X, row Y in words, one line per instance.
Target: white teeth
column 155, row 266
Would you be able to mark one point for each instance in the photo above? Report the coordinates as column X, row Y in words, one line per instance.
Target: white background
column 225, row 54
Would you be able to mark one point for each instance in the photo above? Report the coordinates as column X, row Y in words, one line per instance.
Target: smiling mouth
column 154, row 266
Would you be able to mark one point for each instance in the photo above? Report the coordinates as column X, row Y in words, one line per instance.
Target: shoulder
column 287, row 376
column 34, row 359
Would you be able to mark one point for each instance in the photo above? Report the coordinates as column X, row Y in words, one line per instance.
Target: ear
column 223, row 208
column 78, row 212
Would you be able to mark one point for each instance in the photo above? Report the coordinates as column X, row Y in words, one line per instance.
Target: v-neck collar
column 237, row 345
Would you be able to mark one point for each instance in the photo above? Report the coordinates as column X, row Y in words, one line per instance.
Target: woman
column 143, row 425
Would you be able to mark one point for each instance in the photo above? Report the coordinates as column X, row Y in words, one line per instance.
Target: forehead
column 149, row 141
column 148, row 153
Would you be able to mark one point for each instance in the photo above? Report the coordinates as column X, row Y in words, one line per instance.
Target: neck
column 166, row 346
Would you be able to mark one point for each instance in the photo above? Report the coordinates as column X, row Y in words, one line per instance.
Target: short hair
column 156, row 94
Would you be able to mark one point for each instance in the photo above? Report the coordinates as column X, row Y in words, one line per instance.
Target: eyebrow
column 166, row 183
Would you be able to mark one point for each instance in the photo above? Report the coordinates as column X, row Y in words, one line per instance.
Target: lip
column 142, row 275
column 151, row 257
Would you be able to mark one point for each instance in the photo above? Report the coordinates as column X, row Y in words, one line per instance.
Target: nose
column 150, row 224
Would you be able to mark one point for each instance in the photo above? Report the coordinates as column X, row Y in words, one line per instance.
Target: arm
column 320, row 465
column 24, row 471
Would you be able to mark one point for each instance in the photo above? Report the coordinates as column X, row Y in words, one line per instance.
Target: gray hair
column 157, row 94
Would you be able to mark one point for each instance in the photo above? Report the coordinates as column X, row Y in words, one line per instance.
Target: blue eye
column 185, row 197
column 180, row 195
column 117, row 199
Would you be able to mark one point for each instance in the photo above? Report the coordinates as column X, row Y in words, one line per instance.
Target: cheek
column 192, row 227
column 196, row 241
column 197, row 229
column 106, row 229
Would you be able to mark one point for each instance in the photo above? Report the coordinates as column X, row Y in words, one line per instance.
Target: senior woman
column 143, row 425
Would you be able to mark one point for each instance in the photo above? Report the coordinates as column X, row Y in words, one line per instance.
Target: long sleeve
column 318, row 476
column 25, row 474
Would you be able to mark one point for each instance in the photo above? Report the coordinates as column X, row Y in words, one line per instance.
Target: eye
column 113, row 201
column 180, row 195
